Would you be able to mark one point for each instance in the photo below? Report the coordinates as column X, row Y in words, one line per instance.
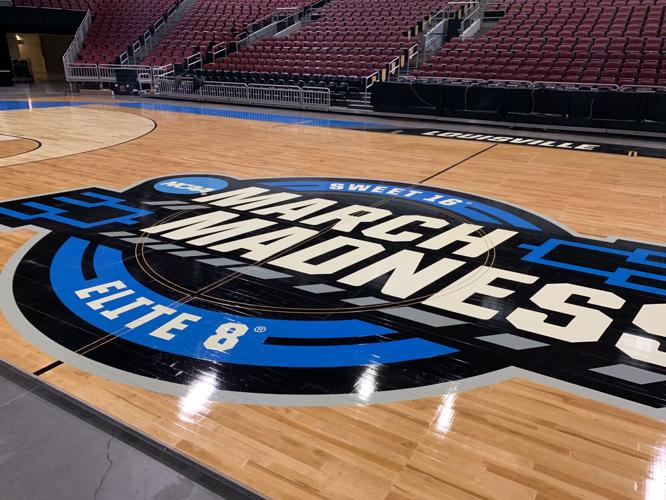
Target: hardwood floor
column 11, row 146
column 516, row 439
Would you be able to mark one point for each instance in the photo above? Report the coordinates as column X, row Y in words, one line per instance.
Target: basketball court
column 303, row 353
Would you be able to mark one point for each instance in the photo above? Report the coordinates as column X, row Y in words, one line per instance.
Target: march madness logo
column 330, row 291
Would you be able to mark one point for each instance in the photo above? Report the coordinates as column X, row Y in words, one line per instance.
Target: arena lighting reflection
column 194, row 405
column 655, row 487
column 366, row 384
column 445, row 413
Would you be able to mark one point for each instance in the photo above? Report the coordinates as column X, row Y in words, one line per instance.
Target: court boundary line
column 155, row 126
column 613, row 148
column 39, row 145
column 443, row 171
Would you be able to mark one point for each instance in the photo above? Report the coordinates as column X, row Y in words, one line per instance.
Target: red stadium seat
column 116, row 24
column 349, row 38
column 614, row 41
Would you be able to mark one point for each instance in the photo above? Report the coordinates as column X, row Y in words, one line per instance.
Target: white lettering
column 265, row 245
column 228, row 334
column 115, row 313
column 403, row 280
column 246, row 198
column 349, row 217
column 298, row 209
column 157, row 311
column 104, row 288
column 477, row 245
column 587, row 325
column 652, row 319
column 178, row 323
column 383, row 230
column 452, row 298
column 299, row 261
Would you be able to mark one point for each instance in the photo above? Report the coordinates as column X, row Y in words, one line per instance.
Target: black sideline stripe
column 47, row 368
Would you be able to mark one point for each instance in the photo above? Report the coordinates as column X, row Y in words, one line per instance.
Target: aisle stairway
column 182, row 11
column 486, row 24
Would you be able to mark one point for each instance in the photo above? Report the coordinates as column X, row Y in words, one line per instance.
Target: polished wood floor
column 11, row 146
column 513, row 440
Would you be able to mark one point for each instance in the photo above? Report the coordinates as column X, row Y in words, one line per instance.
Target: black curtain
column 601, row 108
column 5, row 63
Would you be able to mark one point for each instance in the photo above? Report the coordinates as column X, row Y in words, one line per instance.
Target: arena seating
column 210, row 22
column 116, row 23
column 350, row 39
column 608, row 42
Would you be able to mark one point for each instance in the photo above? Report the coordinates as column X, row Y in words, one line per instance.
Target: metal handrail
column 219, row 49
column 411, row 78
column 107, row 72
column 371, row 79
column 607, row 86
column 500, row 81
column 639, row 88
column 413, row 51
column 466, row 5
column 81, row 72
column 231, row 92
column 240, row 37
column 194, row 60
column 250, row 27
column 74, row 48
column 147, row 43
column 394, row 66
column 161, row 71
column 138, row 44
column 467, row 18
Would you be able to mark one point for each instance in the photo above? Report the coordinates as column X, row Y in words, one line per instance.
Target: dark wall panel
column 5, row 63
column 602, row 109
column 32, row 20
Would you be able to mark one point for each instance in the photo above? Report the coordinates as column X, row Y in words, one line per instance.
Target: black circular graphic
column 311, row 291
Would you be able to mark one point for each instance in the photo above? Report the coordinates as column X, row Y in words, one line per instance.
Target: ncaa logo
column 189, row 185
column 317, row 291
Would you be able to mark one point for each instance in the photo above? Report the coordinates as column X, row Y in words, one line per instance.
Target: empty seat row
column 347, row 38
column 116, row 24
column 612, row 42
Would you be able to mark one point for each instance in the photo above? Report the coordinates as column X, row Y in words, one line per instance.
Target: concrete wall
column 30, row 48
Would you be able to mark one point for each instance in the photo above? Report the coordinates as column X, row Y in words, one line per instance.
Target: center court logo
column 188, row 185
column 317, row 291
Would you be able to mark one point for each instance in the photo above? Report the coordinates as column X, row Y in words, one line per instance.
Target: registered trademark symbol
column 259, row 329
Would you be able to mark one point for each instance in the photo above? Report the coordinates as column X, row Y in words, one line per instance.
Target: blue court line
column 15, row 105
column 308, row 121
